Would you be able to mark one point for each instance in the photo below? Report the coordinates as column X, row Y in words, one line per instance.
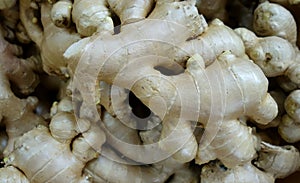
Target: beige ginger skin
column 289, row 126
column 260, row 106
column 267, row 52
column 212, row 91
column 59, row 163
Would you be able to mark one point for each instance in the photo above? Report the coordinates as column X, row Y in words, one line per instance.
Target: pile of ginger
column 149, row 91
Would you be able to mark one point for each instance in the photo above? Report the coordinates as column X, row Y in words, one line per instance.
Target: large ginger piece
column 243, row 86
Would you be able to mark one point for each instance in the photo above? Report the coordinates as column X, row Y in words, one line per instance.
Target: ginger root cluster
column 149, row 91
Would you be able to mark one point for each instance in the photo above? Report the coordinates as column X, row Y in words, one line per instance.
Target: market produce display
column 149, row 91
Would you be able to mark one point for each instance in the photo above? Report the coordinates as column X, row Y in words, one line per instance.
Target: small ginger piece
column 279, row 161
column 92, row 16
column 131, row 10
column 275, row 56
column 289, row 127
column 271, row 19
column 61, row 13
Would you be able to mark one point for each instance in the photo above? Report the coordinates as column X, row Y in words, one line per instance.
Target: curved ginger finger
column 92, row 16
column 280, row 161
column 131, row 10
column 271, row 19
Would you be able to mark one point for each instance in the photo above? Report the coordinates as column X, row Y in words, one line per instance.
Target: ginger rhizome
column 149, row 91
column 59, row 163
column 290, row 124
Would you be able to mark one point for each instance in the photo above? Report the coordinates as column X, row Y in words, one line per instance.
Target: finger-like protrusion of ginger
column 61, row 13
column 274, row 55
column 51, row 40
column 19, row 119
column 88, row 146
column 21, row 72
column 101, row 168
column 92, row 16
column 131, row 10
column 234, row 144
column 184, row 13
column 178, row 134
column 289, row 128
column 279, row 161
column 11, row 174
column 271, row 19
column 293, row 72
column 208, row 44
column 63, row 127
column 292, row 105
column 247, row 173
column 260, row 106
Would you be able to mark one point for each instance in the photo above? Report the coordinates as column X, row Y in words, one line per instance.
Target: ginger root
column 131, row 10
column 49, row 154
column 92, row 16
column 275, row 56
column 290, row 125
column 166, row 96
column 272, row 19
